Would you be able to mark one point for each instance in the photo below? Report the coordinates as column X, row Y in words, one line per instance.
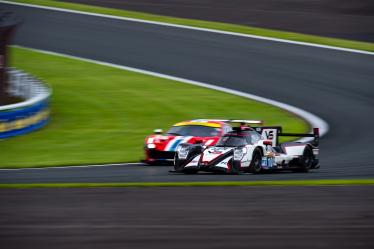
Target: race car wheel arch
column 255, row 166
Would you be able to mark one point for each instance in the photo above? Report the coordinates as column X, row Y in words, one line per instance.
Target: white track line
column 77, row 166
column 190, row 27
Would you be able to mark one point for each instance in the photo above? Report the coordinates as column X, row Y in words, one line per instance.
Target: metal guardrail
column 29, row 115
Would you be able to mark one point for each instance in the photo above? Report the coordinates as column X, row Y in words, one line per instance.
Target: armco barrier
column 29, row 115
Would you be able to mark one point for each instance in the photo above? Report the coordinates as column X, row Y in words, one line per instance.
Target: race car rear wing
column 268, row 132
column 274, row 132
column 244, row 122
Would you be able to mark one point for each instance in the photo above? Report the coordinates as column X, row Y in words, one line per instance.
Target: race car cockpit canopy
column 237, row 138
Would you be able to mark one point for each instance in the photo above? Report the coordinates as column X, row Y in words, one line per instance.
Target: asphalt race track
column 346, row 19
column 188, row 217
column 335, row 85
column 143, row 173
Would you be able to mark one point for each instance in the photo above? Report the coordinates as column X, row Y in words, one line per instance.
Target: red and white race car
column 161, row 148
column 250, row 149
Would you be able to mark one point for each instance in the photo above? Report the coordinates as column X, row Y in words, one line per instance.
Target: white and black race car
column 249, row 149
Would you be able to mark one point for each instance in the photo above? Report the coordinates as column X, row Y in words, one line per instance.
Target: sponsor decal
column 216, row 151
column 268, row 162
column 269, row 134
column 224, row 163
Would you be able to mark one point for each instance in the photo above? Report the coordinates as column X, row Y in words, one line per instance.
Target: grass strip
column 102, row 114
column 325, row 182
column 208, row 24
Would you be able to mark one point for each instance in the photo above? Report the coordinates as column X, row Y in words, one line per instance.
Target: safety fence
column 31, row 114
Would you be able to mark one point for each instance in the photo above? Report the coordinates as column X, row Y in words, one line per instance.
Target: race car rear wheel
column 306, row 160
column 255, row 166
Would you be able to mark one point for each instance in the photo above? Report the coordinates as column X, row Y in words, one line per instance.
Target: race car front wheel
column 180, row 164
column 255, row 166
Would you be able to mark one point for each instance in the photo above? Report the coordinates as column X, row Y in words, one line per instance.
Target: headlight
column 182, row 152
column 239, row 153
column 151, row 146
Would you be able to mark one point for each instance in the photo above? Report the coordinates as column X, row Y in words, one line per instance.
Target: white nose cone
column 213, row 153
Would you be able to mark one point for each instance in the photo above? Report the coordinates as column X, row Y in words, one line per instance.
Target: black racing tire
column 306, row 160
column 179, row 164
column 255, row 166
column 235, row 170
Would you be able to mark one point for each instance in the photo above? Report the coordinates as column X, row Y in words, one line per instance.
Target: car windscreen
column 193, row 130
column 233, row 141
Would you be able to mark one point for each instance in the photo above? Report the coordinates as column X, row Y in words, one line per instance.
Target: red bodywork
column 162, row 147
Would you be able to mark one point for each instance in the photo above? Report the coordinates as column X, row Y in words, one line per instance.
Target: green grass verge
column 207, row 24
column 102, row 114
column 194, row 184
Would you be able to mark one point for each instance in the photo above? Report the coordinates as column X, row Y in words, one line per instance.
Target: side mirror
column 268, row 142
column 158, row 131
